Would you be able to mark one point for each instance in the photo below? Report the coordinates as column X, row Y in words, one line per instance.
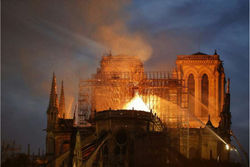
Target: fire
column 136, row 103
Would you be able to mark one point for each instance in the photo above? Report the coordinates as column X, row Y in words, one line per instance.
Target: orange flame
column 136, row 103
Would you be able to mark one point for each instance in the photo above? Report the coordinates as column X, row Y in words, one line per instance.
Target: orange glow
column 136, row 103
column 70, row 107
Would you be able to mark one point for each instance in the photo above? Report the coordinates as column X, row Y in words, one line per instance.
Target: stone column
column 197, row 81
column 217, row 93
column 222, row 90
column 212, row 98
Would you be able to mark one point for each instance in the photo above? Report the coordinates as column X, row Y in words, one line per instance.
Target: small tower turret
column 209, row 123
column 215, row 52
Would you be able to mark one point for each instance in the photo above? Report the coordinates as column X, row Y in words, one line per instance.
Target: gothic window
column 204, row 96
column 191, row 92
column 193, row 153
column 121, row 137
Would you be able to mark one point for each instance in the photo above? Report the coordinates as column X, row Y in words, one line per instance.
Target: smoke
column 106, row 22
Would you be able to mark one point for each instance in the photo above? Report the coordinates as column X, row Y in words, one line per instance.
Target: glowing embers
column 136, row 103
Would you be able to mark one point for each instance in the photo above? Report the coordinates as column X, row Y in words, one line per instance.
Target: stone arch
column 191, row 70
column 106, row 149
column 204, row 94
column 193, row 152
column 205, row 70
column 102, row 133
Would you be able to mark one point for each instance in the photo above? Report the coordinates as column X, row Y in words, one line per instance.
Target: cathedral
column 131, row 117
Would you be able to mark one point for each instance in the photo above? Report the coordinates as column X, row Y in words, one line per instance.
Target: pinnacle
column 62, row 102
column 53, row 102
column 215, row 53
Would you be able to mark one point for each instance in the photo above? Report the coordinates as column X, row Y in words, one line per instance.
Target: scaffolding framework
column 161, row 91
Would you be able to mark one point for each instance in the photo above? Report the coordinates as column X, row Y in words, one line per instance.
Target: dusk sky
column 70, row 37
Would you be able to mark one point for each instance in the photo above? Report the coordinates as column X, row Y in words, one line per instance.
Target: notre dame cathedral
column 131, row 117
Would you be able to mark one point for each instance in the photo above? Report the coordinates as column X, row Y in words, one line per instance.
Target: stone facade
column 195, row 69
column 137, row 138
column 200, row 65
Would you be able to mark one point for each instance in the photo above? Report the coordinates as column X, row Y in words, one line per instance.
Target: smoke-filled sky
column 70, row 37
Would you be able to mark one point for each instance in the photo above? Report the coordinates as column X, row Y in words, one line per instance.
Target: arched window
column 191, row 93
column 193, row 153
column 204, row 95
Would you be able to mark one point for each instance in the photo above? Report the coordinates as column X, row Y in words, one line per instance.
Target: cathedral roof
column 199, row 53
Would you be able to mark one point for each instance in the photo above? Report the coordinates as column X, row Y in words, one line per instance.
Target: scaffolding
column 161, row 91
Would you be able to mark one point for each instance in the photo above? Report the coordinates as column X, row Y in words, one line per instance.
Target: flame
column 136, row 103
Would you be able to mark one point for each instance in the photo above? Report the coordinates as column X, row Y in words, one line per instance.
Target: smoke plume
column 106, row 22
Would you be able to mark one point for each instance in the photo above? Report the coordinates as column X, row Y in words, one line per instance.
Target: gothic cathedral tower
column 52, row 119
column 204, row 76
column 59, row 128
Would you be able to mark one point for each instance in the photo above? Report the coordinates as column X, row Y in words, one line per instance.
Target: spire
column 110, row 54
column 215, row 53
column 228, row 85
column 62, row 102
column 209, row 123
column 53, row 102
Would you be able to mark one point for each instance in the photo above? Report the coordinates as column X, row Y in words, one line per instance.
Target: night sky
column 70, row 37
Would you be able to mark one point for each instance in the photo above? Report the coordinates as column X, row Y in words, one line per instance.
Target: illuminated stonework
column 121, row 99
column 201, row 66
column 121, row 63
